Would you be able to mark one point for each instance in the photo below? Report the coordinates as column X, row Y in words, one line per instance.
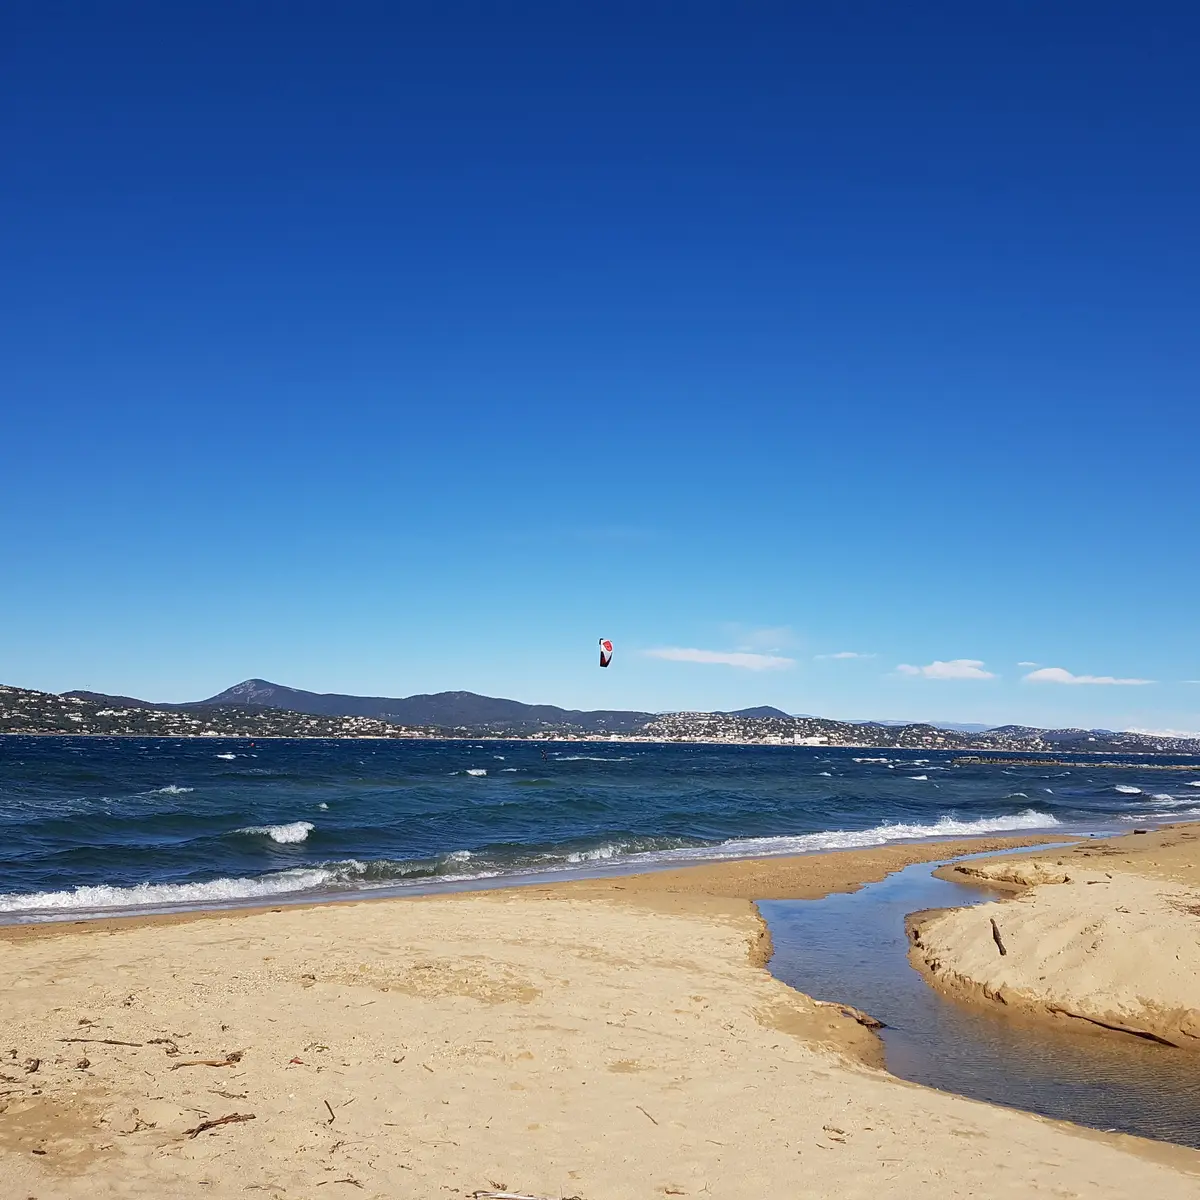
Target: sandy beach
column 1103, row 934
column 602, row 1039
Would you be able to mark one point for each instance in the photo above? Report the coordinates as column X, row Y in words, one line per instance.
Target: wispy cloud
column 755, row 639
column 1060, row 675
column 1170, row 733
column 956, row 668
column 735, row 658
column 846, row 654
column 1028, row 664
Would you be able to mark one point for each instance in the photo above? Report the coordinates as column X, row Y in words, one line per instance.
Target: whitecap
column 827, row 774
column 476, row 770
column 918, row 777
column 294, row 831
column 1126, row 790
column 323, row 805
column 170, row 790
column 98, row 897
column 230, row 757
column 589, row 758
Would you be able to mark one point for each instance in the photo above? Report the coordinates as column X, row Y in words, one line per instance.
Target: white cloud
column 1060, row 675
column 846, row 654
column 737, row 658
column 956, row 668
column 761, row 640
column 1028, row 664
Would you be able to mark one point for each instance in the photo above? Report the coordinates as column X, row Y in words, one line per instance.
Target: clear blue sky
column 405, row 347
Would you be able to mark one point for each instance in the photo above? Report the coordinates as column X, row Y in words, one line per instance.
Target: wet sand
column 1105, row 934
column 605, row 1039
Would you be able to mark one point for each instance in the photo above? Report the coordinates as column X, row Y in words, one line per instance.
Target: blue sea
column 92, row 825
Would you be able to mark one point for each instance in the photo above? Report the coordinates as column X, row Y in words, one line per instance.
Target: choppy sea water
column 103, row 825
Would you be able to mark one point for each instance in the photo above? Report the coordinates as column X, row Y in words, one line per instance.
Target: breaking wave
column 294, row 831
column 1126, row 790
column 352, row 875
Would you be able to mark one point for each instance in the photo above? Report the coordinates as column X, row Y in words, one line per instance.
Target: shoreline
column 600, row 1038
column 804, row 876
column 1194, row 764
column 1101, row 936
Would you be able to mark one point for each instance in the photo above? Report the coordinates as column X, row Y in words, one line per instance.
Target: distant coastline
column 256, row 710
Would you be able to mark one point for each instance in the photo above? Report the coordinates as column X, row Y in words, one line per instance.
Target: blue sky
column 399, row 348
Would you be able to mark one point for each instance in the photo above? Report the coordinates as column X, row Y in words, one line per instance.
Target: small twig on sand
column 101, row 1041
column 233, row 1118
column 514, row 1196
column 644, row 1113
column 230, row 1060
column 331, row 1117
column 997, row 938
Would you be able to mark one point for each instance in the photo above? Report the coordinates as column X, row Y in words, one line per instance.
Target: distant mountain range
column 258, row 708
column 447, row 710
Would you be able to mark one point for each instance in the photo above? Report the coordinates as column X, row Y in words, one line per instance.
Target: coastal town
column 25, row 711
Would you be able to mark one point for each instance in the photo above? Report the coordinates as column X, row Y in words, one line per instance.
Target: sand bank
column 606, row 1045
column 1106, row 933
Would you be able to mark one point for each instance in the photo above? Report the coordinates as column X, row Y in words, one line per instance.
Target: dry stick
column 230, row 1060
column 331, row 1118
column 997, row 938
column 643, row 1111
column 229, row 1120
column 101, row 1041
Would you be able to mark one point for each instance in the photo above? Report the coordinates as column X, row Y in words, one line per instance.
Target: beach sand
column 1105, row 934
column 602, row 1040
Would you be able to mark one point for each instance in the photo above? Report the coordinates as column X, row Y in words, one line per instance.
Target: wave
column 294, row 831
column 590, row 758
column 1193, row 783
column 146, row 895
column 170, row 790
column 476, row 770
column 918, row 777
column 230, row 757
column 340, row 877
column 1126, row 790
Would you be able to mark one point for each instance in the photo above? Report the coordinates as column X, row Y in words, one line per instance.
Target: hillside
column 450, row 710
column 257, row 708
column 25, row 711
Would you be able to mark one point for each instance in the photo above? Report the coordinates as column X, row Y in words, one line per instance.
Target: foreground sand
column 1106, row 933
column 609, row 1043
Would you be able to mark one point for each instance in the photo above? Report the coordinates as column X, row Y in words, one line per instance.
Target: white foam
column 214, row 891
column 827, row 774
column 170, row 790
column 295, row 831
column 1125, row 790
column 918, row 777
column 598, row 854
column 322, row 805
column 590, row 758
column 476, row 770
column 1193, row 783
column 498, row 757
column 228, row 756
column 849, row 839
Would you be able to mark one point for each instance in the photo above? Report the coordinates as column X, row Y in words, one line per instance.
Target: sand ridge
column 1105, row 933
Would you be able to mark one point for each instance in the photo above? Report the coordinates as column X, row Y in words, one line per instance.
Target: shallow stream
column 853, row 949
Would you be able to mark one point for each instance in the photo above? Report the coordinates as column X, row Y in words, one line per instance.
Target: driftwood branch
column 514, row 1196
column 232, row 1119
column 230, row 1060
column 101, row 1041
column 997, row 938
